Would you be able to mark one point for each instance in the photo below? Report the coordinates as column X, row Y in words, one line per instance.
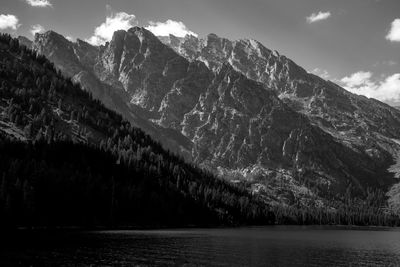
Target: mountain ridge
column 346, row 116
column 67, row 160
column 183, row 95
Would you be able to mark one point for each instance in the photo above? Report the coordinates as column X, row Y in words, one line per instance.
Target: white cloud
column 357, row 79
column 321, row 73
column 125, row 21
column 69, row 38
column 394, row 33
column 39, row 3
column 176, row 28
column 36, row 29
column 314, row 17
column 114, row 22
column 8, row 22
column 387, row 89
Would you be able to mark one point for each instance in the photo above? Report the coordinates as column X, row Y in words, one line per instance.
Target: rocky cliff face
column 95, row 68
column 356, row 121
column 72, row 59
column 231, row 106
column 324, row 102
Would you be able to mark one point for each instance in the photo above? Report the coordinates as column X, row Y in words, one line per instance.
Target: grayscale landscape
column 200, row 133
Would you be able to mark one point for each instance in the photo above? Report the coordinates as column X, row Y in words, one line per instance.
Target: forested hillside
column 67, row 160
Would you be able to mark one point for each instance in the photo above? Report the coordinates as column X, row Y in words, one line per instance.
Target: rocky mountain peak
column 59, row 50
column 51, row 36
column 137, row 62
column 144, row 35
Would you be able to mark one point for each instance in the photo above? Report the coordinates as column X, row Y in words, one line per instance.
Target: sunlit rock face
column 104, row 72
column 325, row 103
column 356, row 121
column 234, row 105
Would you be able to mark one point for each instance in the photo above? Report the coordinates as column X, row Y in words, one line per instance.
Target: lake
column 258, row 246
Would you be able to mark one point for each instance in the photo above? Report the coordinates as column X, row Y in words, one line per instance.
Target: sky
column 355, row 43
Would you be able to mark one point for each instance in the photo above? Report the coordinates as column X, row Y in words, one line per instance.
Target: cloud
column 394, row 33
column 357, row 79
column 69, row 38
column 314, row 17
column 386, row 89
column 125, row 21
column 9, row 22
column 114, row 22
column 36, row 29
column 176, row 28
column 321, row 73
column 39, row 3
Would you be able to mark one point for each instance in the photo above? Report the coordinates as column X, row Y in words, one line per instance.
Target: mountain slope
column 77, row 60
column 233, row 124
column 356, row 121
column 68, row 160
column 352, row 119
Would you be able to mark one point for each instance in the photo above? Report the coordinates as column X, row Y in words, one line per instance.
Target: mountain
column 67, row 160
column 240, row 110
column 364, row 125
column 77, row 60
column 355, row 120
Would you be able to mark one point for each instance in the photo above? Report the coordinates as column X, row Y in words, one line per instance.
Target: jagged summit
column 329, row 106
column 50, row 34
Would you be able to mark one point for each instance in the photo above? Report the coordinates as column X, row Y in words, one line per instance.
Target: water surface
column 265, row 246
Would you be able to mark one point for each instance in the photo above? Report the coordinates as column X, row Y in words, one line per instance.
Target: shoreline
column 67, row 229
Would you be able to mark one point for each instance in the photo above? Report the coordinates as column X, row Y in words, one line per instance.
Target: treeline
column 64, row 183
column 370, row 210
column 82, row 164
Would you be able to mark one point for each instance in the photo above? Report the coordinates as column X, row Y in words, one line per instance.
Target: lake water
column 264, row 246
